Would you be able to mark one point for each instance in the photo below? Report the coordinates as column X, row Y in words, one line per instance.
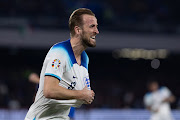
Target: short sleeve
column 165, row 92
column 55, row 65
column 147, row 100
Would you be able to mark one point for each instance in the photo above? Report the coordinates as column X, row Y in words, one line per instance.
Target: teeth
column 93, row 37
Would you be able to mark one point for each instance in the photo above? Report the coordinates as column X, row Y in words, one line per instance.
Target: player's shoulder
column 60, row 47
column 148, row 94
column 163, row 88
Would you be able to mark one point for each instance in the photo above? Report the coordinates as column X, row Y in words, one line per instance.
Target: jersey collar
column 72, row 56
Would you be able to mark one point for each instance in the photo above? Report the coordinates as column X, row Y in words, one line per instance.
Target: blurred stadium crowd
column 156, row 16
column 118, row 83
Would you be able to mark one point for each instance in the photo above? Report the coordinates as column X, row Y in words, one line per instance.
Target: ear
column 77, row 30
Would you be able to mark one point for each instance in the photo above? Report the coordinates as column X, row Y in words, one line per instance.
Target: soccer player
column 64, row 78
column 158, row 101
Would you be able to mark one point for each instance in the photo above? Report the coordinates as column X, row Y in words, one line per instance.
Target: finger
column 92, row 92
column 93, row 98
column 86, row 102
column 93, row 95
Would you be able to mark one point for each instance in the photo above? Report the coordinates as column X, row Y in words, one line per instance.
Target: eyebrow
column 92, row 25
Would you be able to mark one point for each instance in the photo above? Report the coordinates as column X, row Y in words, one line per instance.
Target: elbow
column 47, row 93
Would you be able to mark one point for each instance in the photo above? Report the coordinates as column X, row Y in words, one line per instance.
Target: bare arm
column 54, row 91
column 170, row 99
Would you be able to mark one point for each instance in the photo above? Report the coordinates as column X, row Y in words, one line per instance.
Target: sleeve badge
column 56, row 63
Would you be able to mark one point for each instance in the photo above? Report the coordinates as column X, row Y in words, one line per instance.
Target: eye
column 91, row 26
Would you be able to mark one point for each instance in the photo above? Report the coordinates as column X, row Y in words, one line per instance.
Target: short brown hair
column 76, row 18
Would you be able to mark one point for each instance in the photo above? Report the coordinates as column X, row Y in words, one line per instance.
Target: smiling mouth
column 93, row 37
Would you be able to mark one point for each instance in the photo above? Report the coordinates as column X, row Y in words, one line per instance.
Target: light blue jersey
column 60, row 63
column 154, row 100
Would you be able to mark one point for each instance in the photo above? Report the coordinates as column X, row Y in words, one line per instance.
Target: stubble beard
column 87, row 42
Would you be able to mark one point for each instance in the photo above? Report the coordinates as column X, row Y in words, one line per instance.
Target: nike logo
column 74, row 77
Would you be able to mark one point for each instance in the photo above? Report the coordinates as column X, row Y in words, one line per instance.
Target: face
column 153, row 86
column 89, row 30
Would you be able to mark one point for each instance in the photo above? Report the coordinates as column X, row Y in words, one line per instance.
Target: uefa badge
column 56, row 63
column 87, row 82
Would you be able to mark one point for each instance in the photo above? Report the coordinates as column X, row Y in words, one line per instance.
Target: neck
column 77, row 46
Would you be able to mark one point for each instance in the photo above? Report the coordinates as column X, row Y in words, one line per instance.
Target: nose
column 97, row 31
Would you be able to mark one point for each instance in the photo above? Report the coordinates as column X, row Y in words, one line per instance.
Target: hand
column 87, row 95
column 33, row 77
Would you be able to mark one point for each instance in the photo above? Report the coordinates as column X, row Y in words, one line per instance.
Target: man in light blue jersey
column 64, row 78
column 158, row 100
